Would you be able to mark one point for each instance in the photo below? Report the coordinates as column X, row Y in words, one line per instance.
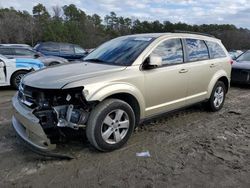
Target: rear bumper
column 27, row 126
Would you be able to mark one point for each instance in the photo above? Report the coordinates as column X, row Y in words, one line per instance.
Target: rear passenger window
column 171, row 51
column 196, row 50
column 24, row 52
column 215, row 50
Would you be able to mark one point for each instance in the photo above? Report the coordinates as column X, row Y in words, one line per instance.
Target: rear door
column 166, row 86
column 201, row 69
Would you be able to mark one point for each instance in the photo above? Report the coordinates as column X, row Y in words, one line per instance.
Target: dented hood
column 58, row 76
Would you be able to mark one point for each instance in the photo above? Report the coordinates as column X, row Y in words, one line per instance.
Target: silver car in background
column 23, row 51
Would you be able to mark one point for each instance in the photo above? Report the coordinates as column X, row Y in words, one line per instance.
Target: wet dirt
column 188, row 148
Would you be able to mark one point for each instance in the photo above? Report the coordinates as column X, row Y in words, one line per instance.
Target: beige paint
column 157, row 90
column 165, row 88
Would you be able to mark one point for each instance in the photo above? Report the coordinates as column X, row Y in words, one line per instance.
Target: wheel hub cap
column 218, row 96
column 115, row 126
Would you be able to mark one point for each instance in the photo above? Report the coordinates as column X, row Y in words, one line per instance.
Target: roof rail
column 192, row 32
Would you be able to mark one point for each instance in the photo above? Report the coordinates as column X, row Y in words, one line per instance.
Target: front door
column 166, row 86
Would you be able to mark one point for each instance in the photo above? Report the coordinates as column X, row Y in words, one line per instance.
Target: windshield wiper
column 95, row 60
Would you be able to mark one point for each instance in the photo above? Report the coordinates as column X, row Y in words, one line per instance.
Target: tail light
column 231, row 61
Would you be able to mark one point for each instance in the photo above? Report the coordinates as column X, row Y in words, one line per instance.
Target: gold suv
column 118, row 85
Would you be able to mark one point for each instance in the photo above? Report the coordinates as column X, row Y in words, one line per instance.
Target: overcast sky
column 235, row 12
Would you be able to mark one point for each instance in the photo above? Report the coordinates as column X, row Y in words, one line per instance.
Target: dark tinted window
column 120, row 51
column 6, row 51
column 170, row 50
column 24, row 52
column 50, row 47
column 196, row 50
column 215, row 50
column 67, row 49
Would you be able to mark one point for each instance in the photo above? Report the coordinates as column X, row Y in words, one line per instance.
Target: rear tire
column 17, row 77
column 217, row 98
column 110, row 124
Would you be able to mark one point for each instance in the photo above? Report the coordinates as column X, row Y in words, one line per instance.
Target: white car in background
column 12, row 70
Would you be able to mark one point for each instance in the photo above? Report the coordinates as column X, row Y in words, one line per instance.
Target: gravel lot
column 188, row 148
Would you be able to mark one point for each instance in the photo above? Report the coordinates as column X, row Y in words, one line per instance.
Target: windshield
column 244, row 57
column 120, row 51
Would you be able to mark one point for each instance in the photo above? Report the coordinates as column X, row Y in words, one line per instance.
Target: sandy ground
column 188, row 148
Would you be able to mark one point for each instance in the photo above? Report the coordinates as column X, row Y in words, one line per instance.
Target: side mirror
column 155, row 61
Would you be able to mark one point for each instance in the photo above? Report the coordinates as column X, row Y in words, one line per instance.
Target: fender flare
column 219, row 74
column 117, row 88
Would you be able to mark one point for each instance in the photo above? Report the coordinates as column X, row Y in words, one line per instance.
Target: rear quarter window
column 79, row 50
column 215, row 50
column 196, row 50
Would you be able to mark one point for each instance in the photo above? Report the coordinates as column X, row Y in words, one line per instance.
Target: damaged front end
column 42, row 116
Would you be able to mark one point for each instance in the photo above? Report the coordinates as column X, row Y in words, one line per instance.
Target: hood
column 58, row 76
column 241, row 65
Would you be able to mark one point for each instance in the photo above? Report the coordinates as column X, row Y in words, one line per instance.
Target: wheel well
column 11, row 81
column 54, row 63
column 225, row 81
column 23, row 70
column 132, row 101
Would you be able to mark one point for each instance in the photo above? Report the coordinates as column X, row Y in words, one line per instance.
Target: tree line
column 70, row 24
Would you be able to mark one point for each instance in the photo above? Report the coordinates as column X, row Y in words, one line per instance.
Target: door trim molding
column 176, row 101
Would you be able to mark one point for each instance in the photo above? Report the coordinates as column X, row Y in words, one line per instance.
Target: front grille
column 26, row 95
column 240, row 75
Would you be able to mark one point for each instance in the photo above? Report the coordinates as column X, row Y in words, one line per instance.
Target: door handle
column 183, row 71
column 213, row 65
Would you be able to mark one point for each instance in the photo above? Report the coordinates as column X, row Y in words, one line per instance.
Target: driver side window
column 170, row 51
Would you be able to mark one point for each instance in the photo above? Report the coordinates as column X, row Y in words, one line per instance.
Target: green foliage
column 70, row 24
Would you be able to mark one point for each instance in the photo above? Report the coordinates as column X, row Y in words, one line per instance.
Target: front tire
column 217, row 98
column 110, row 124
column 16, row 78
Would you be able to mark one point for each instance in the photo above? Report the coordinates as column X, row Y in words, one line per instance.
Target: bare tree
column 57, row 12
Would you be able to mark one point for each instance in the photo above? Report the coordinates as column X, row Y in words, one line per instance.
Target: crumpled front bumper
column 27, row 126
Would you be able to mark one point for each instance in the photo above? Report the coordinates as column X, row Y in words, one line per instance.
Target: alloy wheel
column 115, row 126
column 218, row 96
